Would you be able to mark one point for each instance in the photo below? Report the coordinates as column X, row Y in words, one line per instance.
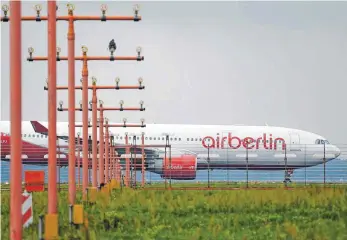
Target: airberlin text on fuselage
column 235, row 142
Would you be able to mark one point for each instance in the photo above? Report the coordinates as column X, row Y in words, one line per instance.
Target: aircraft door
column 79, row 144
column 232, row 155
column 226, row 153
column 294, row 142
column 224, row 145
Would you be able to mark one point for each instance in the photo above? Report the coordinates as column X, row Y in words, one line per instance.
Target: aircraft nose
column 337, row 151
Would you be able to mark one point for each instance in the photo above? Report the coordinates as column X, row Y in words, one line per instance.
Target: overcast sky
column 284, row 63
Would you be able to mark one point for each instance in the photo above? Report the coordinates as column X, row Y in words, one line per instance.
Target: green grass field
column 303, row 213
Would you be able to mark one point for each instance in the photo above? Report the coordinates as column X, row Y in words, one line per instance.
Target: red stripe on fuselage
column 32, row 151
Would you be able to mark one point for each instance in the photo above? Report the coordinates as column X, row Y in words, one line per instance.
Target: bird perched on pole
column 112, row 46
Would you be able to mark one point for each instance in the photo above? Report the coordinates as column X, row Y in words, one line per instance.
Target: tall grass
column 311, row 213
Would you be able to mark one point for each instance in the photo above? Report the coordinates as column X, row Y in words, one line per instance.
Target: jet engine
column 182, row 167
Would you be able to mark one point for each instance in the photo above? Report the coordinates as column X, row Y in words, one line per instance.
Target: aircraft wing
column 121, row 150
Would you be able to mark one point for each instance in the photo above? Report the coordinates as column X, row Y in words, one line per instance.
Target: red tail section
column 32, row 153
column 5, row 148
column 38, row 127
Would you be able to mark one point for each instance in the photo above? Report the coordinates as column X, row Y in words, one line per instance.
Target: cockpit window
column 321, row 141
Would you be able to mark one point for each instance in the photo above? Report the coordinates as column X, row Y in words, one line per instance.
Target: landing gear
column 287, row 175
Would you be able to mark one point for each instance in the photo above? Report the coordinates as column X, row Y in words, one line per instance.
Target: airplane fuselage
column 214, row 146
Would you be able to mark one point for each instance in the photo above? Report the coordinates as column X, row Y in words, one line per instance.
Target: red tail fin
column 39, row 128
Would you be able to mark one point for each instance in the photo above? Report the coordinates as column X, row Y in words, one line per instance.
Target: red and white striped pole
column 27, row 209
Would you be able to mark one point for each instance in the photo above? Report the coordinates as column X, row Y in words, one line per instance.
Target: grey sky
column 283, row 63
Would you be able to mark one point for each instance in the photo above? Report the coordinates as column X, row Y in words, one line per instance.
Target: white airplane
column 193, row 147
